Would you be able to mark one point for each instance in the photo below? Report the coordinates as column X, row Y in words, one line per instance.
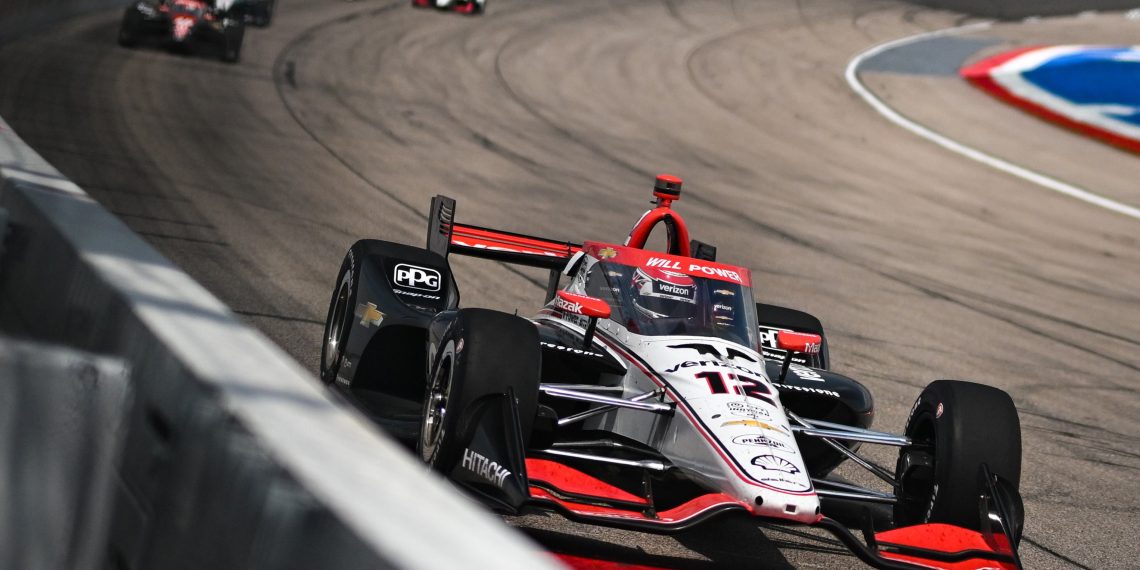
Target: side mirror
column 586, row 306
column 793, row 342
column 591, row 307
column 798, row 342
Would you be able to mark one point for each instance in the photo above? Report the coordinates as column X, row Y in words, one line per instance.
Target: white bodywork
column 731, row 442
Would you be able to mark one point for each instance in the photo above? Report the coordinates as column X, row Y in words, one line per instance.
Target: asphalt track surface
column 552, row 117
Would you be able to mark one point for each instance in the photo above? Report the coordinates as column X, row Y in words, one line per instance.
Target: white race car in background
column 461, row 6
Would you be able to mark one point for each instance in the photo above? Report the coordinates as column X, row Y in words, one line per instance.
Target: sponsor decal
column 415, row 294
column 694, row 268
column 369, row 315
column 785, row 483
column 768, row 337
column 416, row 277
column 571, row 350
column 773, row 463
column 716, row 363
column 747, row 410
column 721, row 308
column 804, row 373
column 607, row 253
column 484, row 468
column 564, row 305
column 727, row 292
column 930, row 507
column 678, row 290
column 756, row 423
column 938, row 411
column 809, row 390
column 762, row 441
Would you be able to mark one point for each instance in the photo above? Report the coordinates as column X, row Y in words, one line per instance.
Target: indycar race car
column 651, row 392
column 473, row 7
column 181, row 24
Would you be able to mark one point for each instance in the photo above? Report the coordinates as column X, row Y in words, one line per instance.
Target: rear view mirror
column 798, row 342
column 584, row 305
column 592, row 307
column 793, row 342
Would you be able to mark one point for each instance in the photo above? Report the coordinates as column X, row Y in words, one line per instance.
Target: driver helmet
column 659, row 293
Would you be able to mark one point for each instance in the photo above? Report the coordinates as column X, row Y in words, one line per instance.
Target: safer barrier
column 226, row 454
column 1017, row 9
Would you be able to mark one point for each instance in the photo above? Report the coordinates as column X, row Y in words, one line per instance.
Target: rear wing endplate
column 446, row 236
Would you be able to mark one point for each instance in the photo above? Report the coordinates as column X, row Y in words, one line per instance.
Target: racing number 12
column 746, row 386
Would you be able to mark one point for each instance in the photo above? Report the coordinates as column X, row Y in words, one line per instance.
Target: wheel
column 128, row 29
column 955, row 427
column 338, row 322
column 232, row 38
column 483, row 353
column 265, row 14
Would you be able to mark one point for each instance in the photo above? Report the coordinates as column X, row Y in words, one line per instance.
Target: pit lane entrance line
column 852, row 76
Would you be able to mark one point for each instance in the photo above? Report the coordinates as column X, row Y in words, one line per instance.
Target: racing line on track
column 852, row 75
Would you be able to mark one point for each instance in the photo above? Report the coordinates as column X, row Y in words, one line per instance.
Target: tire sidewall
column 473, row 348
column 972, row 424
column 349, row 277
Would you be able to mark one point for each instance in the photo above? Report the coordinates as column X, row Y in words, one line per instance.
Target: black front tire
column 955, row 427
column 128, row 29
column 483, row 353
column 232, row 38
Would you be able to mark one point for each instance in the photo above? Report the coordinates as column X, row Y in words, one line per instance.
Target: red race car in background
column 184, row 25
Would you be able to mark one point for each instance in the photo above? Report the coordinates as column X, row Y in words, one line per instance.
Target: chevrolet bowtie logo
column 369, row 315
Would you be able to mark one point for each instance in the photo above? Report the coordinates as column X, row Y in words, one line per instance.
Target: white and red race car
column 651, row 392
column 473, row 7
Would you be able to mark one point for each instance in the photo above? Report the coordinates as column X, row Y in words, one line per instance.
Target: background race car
column 473, row 7
column 184, row 25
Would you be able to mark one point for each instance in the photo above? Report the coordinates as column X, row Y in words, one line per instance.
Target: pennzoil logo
column 607, row 253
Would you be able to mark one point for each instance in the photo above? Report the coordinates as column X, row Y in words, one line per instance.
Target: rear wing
column 446, row 236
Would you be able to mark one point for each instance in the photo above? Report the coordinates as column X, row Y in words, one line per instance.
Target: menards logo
column 693, row 268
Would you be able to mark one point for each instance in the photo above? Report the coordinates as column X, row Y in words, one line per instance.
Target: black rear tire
column 265, row 14
column 955, row 427
column 338, row 322
column 128, row 29
column 483, row 353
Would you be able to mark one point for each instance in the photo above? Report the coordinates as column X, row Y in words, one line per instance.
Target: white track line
column 954, row 146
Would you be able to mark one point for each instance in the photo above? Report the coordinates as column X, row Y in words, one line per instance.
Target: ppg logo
column 417, row 277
